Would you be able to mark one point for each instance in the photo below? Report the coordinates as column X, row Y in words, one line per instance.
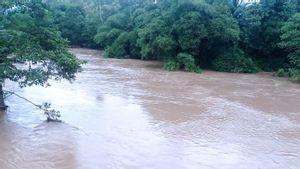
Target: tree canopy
column 222, row 35
column 290, row 41
column 32, row 50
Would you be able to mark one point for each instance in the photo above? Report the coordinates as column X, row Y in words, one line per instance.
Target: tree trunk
column 2, row 104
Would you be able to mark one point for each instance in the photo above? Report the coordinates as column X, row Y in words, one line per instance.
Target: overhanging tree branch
column 52, row 115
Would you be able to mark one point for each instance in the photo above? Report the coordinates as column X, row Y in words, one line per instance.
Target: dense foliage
column 31, row 47
column 234, row 60
column 32, row 50
column 290, row 40
column 224, row 35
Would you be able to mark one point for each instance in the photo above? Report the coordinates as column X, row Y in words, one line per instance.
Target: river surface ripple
column 130, row 114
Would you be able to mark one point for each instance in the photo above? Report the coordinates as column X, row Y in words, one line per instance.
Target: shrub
column 171, row 65
column 294, row 75
column 115, row 51
column 124, row 46
column 187, row 63
column 183, row 61
column 106, row 36
column 234, row 60
column 281, row 73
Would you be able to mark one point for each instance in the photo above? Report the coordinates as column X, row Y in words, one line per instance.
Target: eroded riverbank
column 131, row 114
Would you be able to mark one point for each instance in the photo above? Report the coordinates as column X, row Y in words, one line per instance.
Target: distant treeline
column 223, row 35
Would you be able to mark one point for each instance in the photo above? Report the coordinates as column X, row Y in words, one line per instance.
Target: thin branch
column 13, row 93
column 52, row 115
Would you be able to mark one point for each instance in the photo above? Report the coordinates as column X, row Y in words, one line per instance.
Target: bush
column 294, row 75
column 183, row 61
column 281, row 73
column 124, row 46
column 235, row 61
column 106, row 36
column 187, row 63
column 115, row 51
column 171, row 65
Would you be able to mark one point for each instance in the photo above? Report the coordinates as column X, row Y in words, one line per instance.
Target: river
column 131, row 114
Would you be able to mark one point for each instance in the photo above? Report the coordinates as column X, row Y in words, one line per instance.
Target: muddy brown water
column 129, row 114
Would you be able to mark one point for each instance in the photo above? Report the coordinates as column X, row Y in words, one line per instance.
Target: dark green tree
column 31, row 48
column 224, row 35
column 260, row 25
column 70, row 21
column 290, row 41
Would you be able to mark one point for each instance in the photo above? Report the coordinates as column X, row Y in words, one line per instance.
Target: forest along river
column 131, row 114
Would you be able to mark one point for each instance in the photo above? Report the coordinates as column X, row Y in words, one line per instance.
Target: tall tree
column 31, row 48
